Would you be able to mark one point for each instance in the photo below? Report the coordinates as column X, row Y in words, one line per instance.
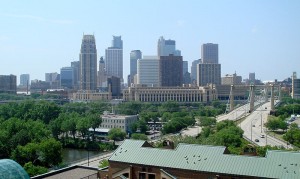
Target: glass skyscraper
column 114, row 58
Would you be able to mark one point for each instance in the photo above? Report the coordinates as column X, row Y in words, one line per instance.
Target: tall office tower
column 114, row 58
column 147, row 71
column 208, row 73
column 8, row 84
column 134, row 56
column 194, row 70
column 102, row 78
column 117, row 42
column 51, row 77
column 24, row 79
column 295, row 86
column 67, row 77
column 167, row 47
column 252, row 78
column 75, row 65
column 209, row 53
column 170, row 70
column 186, row 76
column 209, row 69
column 185, row 67
column 88, row 63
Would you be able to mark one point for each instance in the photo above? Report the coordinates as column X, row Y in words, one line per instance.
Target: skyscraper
column 194, row 70
column 209, row 53
column 102, row 78
column 170, row 70
column 117, row 42
column 167, row 47
column 8, row 84
column 24, row 79
column 76, row 67
column 88, row 63
column 134, row 56
column 147, row 71
column 114, row 58
column 67, row 77
column 209, row 69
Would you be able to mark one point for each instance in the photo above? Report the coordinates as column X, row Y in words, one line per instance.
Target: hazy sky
column 253, row 36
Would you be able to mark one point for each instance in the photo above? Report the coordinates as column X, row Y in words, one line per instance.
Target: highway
column 253, row 124
column 254, row 130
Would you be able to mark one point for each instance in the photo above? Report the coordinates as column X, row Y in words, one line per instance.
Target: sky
column 39, row 37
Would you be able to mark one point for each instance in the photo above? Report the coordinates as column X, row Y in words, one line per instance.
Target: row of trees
column 278, row 122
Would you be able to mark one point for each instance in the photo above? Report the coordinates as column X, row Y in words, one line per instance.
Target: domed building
column 11, row 169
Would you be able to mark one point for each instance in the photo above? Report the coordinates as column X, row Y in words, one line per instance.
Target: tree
column 33, row 170
column 104, row 163
column 136, row 136
column 83, row 125
column 50, row 152
column 207, row 121
column 275, row 123
column 116, row 134
column 94, row 121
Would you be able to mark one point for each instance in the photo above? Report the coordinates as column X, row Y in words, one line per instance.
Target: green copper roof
column 277, row 164
column 12, row 170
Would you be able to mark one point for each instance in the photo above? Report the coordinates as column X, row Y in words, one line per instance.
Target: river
column 73, row 155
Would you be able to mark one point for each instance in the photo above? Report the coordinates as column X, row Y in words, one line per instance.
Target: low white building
column 124, row 122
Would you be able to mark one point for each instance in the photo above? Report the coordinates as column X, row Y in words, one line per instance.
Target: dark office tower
column 114, row 83
column 167, row 47
column 75, row 66
column 67, row 77
column 88, row 63
column 24, row 79
column 209, row 53
column 114, row 58
column 8, row 84
column 134, row 56
column 102, row 78
column 170, row 70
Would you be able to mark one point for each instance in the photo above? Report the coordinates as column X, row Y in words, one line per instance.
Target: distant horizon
column 253, row 36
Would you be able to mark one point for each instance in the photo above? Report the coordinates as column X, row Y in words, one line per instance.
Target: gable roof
column 277, row 164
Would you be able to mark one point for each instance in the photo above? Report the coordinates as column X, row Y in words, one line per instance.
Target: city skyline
column 254, row 36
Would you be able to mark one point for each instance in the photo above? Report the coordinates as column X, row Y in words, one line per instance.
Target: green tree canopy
column 116, row 134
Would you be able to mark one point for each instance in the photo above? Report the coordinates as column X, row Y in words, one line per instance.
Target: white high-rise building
column 148, row 71
column 114, row 58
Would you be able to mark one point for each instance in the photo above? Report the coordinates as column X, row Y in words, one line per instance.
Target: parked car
column 262, row 136
column 256, row 140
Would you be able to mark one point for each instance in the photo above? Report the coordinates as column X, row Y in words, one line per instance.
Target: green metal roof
column 11, row 169
column 277, row 164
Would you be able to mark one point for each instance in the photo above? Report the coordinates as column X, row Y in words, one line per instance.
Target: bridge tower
column 272, row 97
column 266, row 94
column 251, row 97
column 231, row 98
column 279, row 92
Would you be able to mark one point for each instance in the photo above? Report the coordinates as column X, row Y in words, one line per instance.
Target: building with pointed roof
column 138, row 159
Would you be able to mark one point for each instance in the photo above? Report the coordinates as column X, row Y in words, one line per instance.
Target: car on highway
column 256, row 140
